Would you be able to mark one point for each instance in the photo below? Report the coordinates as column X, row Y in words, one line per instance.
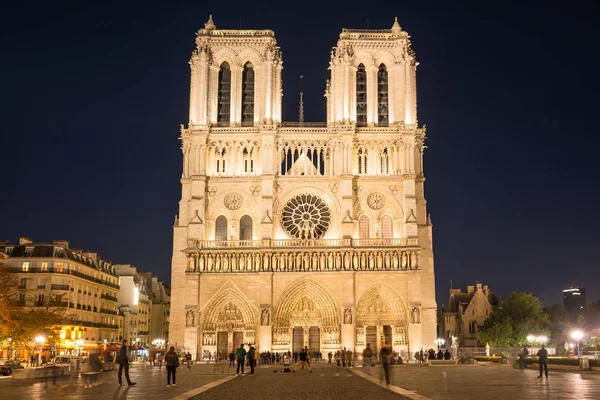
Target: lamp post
column 577, row 335
column 9, row 343
column 39, row 340
column 439, row 342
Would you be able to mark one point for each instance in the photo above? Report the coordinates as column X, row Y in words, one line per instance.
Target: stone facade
column 302, row 234
column 464, row 312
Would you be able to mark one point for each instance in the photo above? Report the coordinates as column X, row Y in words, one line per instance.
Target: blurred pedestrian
column 123, row 361
column 171, row 362
column 367, row 357
column 385, row 363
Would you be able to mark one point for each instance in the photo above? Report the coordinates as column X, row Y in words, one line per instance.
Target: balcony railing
column 108, row 297
column 41, row 286
column 305, row 243
column 107, row 311
column 60, row 287
column 64, row 272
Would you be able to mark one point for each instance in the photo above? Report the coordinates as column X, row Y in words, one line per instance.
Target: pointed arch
column 382, row 96
column 228, row 310
column 381, row 305
column 246, row 228
column 361, row 95
column 248, row 95
column 224, row 95
column 363, row 227
column 221, row 228
column 387, row 227
column 306, row 298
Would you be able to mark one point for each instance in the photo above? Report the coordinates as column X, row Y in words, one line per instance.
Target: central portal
column 223, row 344
column 298, row 339
column 314, row 341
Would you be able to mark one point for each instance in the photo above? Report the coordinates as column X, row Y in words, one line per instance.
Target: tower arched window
column 246, row 228
column 248, row 95
column 363, row 227
column 382, row 96
column 224, row 106
column 221, row 228
column 220, row 156
column 387, row 227
column 363, row 158
column 361, row 95
column 384, row 160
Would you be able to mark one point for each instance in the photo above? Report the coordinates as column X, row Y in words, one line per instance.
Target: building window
column 384, row 160
column 23, row 283
column 382, row 96
column 224, row 107
column 363, row 158
column 361, row 96
column 40, row 299
column 363, row 227
column 387, row 227
column 59, row 267
column 473, row 327
column 221, row 228
column 25, row 267
column 220, row 156
column 248, row 95
column 246, row 228
column 22, row 299
column 44, row 266
column 28, row 251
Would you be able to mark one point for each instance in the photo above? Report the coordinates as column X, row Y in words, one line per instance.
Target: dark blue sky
column 93, row 95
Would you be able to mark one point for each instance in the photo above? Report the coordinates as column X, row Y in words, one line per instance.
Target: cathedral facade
column 302, row 234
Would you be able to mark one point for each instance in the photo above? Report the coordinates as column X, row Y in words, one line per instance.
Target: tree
column 516, row 316
column 10, row 307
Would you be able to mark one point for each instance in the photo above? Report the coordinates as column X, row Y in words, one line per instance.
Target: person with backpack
column 252, row 353
column 172, row 362
column 240, row 354
column 367, row 357
column 385, row 363
column 232, row 359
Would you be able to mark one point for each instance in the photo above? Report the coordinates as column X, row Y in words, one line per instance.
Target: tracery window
column 384, row 161
column 220, row 156
column 248, row 95
column 246, row 228
column 382, row 96
column 362, row 160
column 387, row 227
column 361, row 96
column 224, row 106
column 221, row 228
column 306, row 216
column 363, row 227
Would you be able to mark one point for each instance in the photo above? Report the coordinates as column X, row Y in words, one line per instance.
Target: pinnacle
column 210, row 24
column 396, row 28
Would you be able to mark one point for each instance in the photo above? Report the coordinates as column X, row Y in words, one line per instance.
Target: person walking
column 421, row 356
column 252, row 353
column 171, row 362
column 543, row 359
column 349, row 358
column 160, row 358
column 343, row 356
column 188, row 360
column 367, row 358
column 330, row 356
column 232, row 359
column 123, row 361
column 240, row 354
column 338, row 358
column 303, row 361
column 385, row 363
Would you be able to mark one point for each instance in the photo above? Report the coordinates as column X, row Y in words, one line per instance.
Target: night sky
column 93, row 96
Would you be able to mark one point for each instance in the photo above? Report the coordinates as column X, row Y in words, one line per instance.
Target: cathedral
column 294, row 234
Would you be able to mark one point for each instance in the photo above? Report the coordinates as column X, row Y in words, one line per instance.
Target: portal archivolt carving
column 228, row 311
column 381, row 305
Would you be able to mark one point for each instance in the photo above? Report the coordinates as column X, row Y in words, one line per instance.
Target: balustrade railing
column 297, row 243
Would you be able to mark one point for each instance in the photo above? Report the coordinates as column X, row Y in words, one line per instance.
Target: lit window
column 387, row 227
column 136, row 296
column 25, row 267
column 59, row 267
column 44, row 266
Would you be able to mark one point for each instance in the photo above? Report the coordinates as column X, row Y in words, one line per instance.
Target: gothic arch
column 224, row 55
column 385, row 57
column 363, row 57
column 228, row 310
column 249, row 206
column 250, row 55
column 322, row 307
column 381, row 305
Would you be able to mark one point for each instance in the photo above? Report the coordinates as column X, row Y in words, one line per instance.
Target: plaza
column 413, row 382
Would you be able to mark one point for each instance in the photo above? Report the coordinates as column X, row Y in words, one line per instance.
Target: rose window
column 376, row 201
column 233, row 201
column 306, row 217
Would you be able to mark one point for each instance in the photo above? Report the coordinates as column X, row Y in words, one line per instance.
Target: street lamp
column 39, row 340
column 577, row 335
column 439, row 342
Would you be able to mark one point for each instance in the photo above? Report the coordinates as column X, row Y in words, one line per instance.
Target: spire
column 396, row 27
column 301, row 111
column 210, row 24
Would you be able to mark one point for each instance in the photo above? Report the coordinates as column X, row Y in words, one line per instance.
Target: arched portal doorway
column 306, row 316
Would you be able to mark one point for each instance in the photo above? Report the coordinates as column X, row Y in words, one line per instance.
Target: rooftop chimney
column 25, row 240
column 61, row 243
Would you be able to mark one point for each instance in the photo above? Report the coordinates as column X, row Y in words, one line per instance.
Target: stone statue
column 347, row 316
column 415, row 316
column 189, row 319
column 265, row 319
column 487, row 349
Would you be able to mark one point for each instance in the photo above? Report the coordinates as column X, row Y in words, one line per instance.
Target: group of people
column 422, row 357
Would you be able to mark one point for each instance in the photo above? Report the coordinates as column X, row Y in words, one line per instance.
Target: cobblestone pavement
column 327, row 382
column 151, row 385
column 492, row 382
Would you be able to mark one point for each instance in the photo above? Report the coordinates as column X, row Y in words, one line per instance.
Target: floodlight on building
column 136, row 296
